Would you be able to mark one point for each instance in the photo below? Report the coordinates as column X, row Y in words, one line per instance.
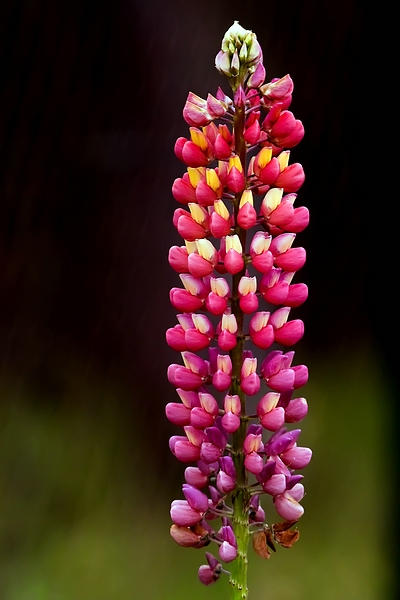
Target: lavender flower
column 238, row 192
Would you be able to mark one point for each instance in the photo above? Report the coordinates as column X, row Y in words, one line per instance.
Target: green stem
column 241, row 495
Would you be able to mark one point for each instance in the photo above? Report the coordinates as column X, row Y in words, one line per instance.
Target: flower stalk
column 238, row 183
column 240, row 498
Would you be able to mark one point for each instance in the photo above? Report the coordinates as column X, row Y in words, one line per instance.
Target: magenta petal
column 249, row 303
column 233, row 261
column 257, row 78
column 282, row 215
column 175, row 337
column 195, row 477
column 205, row 196
column 206, row 575
column 277, row 294
column 269, row 174
column 296, row 410
column 298, row 293
column 183, row 515
column 230, row 422
column 189, row 229
column 247, row 216
column 291, row 178
column 251, row 384
column 273, row 363
column 235, row 180
column 199, row 266
column 263, row 262
column 195, row 363
column 225, row 483
column 178, row 259
column 300, row 376
column 195, row 340
column 184, row 300
column 227, row 552
column 252, row 133
column 194, row 112
column 300, row 220
column 196, row 499
column 291, row 260
column 287, row 507
column 281, row 441
column 193, row 156
column 226, row 340
column 183, row 191
column 221, row 381
column 290, row 333
column 186, row 452
column 297, row 492
column 201, row 419
column 284, row 125
column 215, row 304
column 195, row 436
column 216, row 437
column 297, row 457
column 228, row 466
column 275, row 485
column 282, row 381
column 219, row 226
column 274, row 419
column 209, row 403
column 177, row 413
column 263, row 338
column 253, row 463
column 178, row 147
column 210, row 453
column 184, row 378
column 222, row 150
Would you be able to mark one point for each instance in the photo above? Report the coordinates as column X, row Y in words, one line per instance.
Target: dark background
column 91, row 104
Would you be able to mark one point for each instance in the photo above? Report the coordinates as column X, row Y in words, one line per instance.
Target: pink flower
column 288, row 507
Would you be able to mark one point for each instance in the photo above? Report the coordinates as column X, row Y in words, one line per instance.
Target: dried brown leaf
column 260, row 544
column 287, row 538
column 283, row 525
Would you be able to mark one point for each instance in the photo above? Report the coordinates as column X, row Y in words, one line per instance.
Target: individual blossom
column 198, row 112
column 247, row 290
column 217, row 300
column 231, row 419
column 226, row 478
column 228, row 549
column 220, row 222
column 211, row 572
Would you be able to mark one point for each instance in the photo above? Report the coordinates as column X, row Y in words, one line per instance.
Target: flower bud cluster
column 240, row 54
column 236, row 293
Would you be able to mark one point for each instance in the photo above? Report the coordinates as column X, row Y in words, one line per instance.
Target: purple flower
column 210, row 573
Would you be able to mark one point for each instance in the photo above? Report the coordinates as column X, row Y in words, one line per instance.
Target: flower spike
column 237, row 264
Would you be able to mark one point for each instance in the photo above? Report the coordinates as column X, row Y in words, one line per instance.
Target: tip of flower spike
column 240, row 55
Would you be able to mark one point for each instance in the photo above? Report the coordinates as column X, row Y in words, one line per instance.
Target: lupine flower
column 238, row 264
column 228, row 549
column 190, row 537
column 231, row 419
column 210, row 573
column 247, row 289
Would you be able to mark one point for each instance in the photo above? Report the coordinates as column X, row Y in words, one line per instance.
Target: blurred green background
column 83, row 516
column 91, row 103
